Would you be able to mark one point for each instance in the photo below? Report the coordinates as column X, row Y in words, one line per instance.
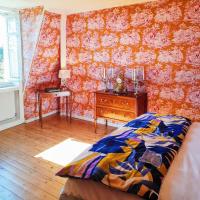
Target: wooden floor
column 22, row 176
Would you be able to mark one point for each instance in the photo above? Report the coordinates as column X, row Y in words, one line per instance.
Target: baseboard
column 11, row 124
column 44, row 115
column 99, row 121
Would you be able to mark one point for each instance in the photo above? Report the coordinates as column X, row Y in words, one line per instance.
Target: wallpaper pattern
column 30, row 19
column 45, row 65
column 163, row 37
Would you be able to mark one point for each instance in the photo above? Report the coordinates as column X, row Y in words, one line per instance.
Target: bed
column 185, row 166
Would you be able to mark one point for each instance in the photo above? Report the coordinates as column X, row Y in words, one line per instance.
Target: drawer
column 116, row 102
column 104, row 100
column 55, row 94
column 63, row 94
column 115, row 114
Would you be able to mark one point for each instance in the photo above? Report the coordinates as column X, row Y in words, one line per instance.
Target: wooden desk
column 67, row 94
column 119, row 107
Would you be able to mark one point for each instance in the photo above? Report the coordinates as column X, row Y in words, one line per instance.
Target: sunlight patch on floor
column 64, row 152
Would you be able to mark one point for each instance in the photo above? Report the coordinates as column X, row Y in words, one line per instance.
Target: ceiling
column 68, row 6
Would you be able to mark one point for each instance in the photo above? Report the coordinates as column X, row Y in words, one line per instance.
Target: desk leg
column 40, row 110
column 70, row 108
column 106, row 123
column 95, row 125
column 67, row 107
column 59, row 107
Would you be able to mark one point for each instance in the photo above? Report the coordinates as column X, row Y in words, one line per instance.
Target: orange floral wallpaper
column 45, row 64
column 30, row 19
column 163, row 37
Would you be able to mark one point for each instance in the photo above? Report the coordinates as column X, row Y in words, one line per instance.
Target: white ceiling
column 68, row 6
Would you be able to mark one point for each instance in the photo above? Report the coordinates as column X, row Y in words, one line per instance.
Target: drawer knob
column 103, row 100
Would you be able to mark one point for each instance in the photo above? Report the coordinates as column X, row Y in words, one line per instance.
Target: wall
column 163, row 37
column 45, row 64
column 31, row 19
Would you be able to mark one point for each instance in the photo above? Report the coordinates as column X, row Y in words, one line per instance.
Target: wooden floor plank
column 25, row 177
column 22, row 181
column 16, row 189
column 41, row 166
column 6, row 194
column 29, row 176
column 33, row 165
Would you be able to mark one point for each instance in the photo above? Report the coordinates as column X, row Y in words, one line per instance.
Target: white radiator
column 7, row 105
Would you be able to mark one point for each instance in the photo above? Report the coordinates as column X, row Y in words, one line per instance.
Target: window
column 10, row 48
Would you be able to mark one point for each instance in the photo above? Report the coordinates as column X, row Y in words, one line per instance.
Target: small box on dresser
column 119, row 107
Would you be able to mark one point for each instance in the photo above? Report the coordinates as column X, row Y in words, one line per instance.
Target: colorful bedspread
column 136, row 157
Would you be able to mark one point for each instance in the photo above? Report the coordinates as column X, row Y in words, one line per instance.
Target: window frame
column 13, row 13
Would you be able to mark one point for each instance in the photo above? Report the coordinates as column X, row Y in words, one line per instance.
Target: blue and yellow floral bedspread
column 119, row 160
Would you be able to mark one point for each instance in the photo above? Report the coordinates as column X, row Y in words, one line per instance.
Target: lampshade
column 64, row 74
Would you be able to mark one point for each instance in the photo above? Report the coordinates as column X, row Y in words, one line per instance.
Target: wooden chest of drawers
column 109, row 105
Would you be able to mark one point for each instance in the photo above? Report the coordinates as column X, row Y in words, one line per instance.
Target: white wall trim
column 6, row 10
column 11, row 124
column 99, row 121
column 44, row 115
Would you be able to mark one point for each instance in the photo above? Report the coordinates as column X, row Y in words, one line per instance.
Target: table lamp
column 63, row 75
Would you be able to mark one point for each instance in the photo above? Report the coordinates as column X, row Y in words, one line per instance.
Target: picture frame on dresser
column 118, row 107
